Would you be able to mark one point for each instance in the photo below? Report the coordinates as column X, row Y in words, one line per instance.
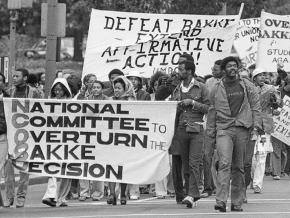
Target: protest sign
column 282, row 123
column 246, row 40
column 117, row 141
column 274, row 46
column 111, row 45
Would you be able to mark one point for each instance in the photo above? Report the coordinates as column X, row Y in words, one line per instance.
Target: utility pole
column 12, row 44
column 51, row 41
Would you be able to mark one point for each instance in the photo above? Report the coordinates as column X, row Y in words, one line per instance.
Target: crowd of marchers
column 222, row 141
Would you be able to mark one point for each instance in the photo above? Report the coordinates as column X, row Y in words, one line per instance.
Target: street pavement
column 273, row 202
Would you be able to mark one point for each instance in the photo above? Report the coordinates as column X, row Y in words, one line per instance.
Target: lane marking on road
column 155, row 201
column 175, row 214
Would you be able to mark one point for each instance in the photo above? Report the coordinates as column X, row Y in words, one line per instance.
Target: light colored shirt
column 186, row 89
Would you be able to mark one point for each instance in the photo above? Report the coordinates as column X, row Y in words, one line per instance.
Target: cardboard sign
column 282, row 123
column 274, row 46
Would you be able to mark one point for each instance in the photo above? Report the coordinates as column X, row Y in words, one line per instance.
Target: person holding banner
column 235, row 109
column 187, row 146
column 20, row 89
column 123, row 91
column 270, row 100
column 87, row 86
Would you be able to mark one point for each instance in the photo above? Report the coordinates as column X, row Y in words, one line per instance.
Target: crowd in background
column 233, row 105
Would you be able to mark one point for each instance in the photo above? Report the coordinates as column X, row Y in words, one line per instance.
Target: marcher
column 112, row 75
column 270, row 100
column 20, row 89
column 123, row 90
column 209, row 151
column 186, row 148
column 235, row 108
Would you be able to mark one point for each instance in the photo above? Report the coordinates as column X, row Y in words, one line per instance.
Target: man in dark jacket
column 187, row 145
column 235, row 109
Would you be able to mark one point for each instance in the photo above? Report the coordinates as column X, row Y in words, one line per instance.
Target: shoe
column 205, row 194
column 74, row 196
column 63, row 204
column 236, row 208
column 49, row 201
column 10, row 202
column 221, row 207
column 20, row 202
column 276, row 178
column 257, row 190
column 112, row 200
column 134, row 197
column 123, row 200
column 189, row 201
column 82, row 198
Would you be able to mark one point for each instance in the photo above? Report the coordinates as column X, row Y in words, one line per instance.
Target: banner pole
column 241, row 10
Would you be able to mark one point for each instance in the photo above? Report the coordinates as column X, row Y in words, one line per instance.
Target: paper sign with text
column 117, row 141
column 274, row 46
column 246, row 40
column 282, row 123
column 207, row 38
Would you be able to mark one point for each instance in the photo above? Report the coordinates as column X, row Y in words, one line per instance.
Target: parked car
column 38, row 50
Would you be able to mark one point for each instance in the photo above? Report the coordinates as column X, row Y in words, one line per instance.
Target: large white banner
column 282, row 123
column 109, row 31
column 246, row 40
column 274, row 42
column 118, row 141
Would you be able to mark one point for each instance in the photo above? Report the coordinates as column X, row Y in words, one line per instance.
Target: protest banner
column 274, row 46
column 282, row 123
column 207, row 38
column 117, row 141
column 113, row 33
column 246, row 40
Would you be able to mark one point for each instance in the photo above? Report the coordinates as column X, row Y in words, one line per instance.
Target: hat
column 227, row 60
column 257, row 71
column 134, row 74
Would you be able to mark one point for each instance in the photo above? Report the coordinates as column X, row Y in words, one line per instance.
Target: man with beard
column 234, row 110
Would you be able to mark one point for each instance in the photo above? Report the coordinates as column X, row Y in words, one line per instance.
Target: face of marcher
column 96, row 89
column 90, row 82
column 42, row 78
column 58, row 91
column 260, row 79
column 216, row 71
column 113, row 76
column 2, row 84
column 231, row 69
column 18, row 78
column 119, row 90
column 183, row 73
column 268, row 78
column 135, row 81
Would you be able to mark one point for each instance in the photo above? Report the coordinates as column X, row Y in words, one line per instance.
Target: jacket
column 142, row 95
column 3, row 127
column 219, row 114
column 31, row 92
column 192, row 114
